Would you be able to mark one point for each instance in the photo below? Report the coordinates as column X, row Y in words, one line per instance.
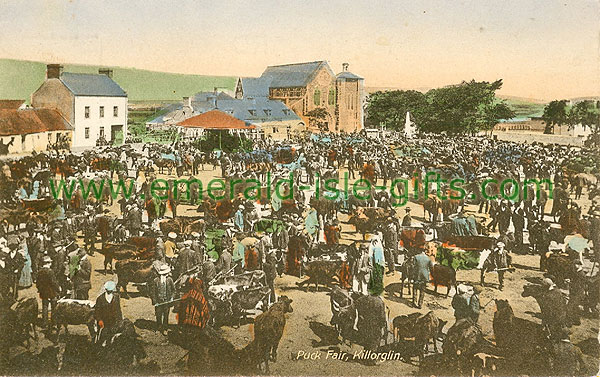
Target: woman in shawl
column 375, row 285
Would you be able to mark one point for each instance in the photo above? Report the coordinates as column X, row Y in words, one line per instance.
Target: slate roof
column 265, row 110
column 276, row 110
column 31, row 121
column 84, row 84
column 255, row 86
column 216, row 120
column 348, row 75
column 293, row 75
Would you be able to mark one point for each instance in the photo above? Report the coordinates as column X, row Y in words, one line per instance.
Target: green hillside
column 19, row 78
column 523, row 107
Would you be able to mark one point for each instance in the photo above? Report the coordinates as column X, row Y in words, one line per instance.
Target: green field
column 20, row 78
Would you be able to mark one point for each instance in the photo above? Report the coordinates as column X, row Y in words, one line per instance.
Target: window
column 252, row 112
column 49, row 137
column 87, row 132
column 274, row 130
column 286, row 111
column 116, row 111
column 331, row 99
column 101, row 131
column 267, row 112
column 87, row 111
column 317, row 97
column 101, row 111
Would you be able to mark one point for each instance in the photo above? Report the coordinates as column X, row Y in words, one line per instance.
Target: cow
column 321, row 271
column 135, row 271
column 248, row 299
column 113, row 251
column 268, row 328
column 443, row 275
column 27, row 311
column 74, row 312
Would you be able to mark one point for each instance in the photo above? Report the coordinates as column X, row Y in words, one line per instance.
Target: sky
column 542, row 49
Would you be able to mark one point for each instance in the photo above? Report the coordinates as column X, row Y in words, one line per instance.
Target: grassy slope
column 19, row 78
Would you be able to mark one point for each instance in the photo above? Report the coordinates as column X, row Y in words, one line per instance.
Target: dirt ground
column 308, row 326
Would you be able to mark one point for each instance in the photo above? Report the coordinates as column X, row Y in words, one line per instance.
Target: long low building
column 272, row 118
column 28, row 130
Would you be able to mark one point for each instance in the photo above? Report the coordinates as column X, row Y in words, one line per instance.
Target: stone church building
column 304, row 87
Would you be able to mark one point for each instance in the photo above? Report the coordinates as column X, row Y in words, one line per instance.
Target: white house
column 94, row 104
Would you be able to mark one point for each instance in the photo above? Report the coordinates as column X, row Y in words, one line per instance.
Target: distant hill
column 20, row 78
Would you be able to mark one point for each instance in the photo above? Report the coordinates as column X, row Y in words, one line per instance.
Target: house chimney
column 345, row 67
column 53, row 71
column 106, row 71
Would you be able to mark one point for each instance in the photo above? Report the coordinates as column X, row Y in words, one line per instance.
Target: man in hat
column 224, row 262
column 47, row 287
column 567, row 359
column 474, row 303
column 170, row 246
column 407, row 219
column 35, row 248
column 460, row 303
column 89, row 231
column 159, row 249
column 14, row 265
column 362, row 271
column 270, row 269
column 553, row 308
column 390, row 243
column 135, row 220
column 186, row 260
column 501, row 260
column 423, row 266
column 162, row 291
column 107, row 310
column 81, row 278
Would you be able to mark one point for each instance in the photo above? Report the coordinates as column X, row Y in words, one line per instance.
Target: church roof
column 292, row 75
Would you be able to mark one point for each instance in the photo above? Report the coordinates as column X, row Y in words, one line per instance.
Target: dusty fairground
column 308, row 331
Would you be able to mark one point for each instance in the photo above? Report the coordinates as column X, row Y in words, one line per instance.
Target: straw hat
column 172, row 235
column 164, row 269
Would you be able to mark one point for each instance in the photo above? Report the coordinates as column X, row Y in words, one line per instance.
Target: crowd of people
column 279, row 236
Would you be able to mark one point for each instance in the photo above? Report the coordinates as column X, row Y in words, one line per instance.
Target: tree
column 318, row 118
column 465, row 108
column 555, row 114
column 586, row 113
column 390, row 108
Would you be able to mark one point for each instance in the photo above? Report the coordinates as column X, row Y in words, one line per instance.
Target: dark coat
column 371, row 320
column 224, row 262
column 155, row 288
column 81, row 279
column 46, row 284
column 109, row 313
